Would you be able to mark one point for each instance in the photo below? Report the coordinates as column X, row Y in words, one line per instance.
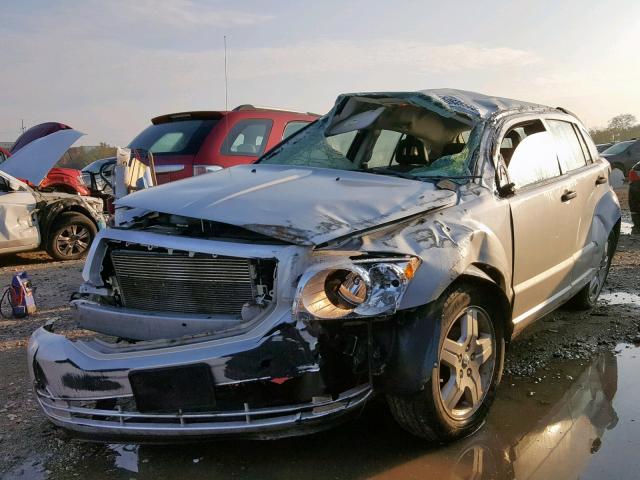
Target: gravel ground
column 28, row 443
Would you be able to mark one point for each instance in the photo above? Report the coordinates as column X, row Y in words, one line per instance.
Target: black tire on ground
column 587, row 297
column 424, row 413
column 70, row 236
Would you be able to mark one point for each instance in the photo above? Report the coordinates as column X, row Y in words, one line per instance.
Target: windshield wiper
column 394, row 173
column 422, row 178
column 449, row 177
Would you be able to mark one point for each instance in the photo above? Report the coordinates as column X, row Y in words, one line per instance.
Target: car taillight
column 634, row 176
column 200, row 169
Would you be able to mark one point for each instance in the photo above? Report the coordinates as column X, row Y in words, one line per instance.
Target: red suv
column 192, row 143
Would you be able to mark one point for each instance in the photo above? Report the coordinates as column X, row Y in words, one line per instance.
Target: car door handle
column 601, row 179
column 566, row 196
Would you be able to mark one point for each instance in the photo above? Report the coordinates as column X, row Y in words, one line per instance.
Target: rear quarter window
column 570, row 152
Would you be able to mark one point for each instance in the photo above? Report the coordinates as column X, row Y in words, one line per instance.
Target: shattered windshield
column 399, row 140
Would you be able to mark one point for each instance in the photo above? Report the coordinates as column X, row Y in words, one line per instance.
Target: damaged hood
column 33, row 161
column 301, row 205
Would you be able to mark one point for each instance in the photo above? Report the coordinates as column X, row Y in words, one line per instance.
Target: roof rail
column 245, row 106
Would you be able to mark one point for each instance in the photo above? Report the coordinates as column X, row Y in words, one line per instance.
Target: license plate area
column 187, row 388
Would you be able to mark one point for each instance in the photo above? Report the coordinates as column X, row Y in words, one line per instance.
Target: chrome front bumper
column 84, row 386
column 250, row 422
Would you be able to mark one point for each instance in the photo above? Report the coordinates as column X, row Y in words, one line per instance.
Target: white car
column 62, row 224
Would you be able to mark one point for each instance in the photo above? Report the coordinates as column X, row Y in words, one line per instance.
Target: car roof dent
column 464, row 106
column 33, row 161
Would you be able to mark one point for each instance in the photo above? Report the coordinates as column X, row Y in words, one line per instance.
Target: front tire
column 70, row 236
column 456, row 399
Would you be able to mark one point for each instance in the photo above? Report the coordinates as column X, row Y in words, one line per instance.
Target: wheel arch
column 54, row 213
column 494, row 285
column 412, row 364
column 607, row 218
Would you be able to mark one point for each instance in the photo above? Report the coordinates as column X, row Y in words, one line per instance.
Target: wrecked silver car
column 63, row 224
column 394, row 247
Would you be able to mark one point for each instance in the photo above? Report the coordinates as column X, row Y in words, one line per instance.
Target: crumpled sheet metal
column 300, row 205
column 17, row 227
column 450, row 102
column 448, row 243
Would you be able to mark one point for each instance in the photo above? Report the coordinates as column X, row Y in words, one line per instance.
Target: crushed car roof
column 462, row 102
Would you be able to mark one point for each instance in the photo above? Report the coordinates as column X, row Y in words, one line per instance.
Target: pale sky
column 106, row 68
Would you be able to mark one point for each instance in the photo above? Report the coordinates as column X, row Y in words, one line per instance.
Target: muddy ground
column 554, row 359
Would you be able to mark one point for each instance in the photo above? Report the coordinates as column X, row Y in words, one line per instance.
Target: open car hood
column 300, row 205
column 33, row 161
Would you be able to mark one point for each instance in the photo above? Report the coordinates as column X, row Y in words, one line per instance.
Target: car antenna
column 226, row 79
column 226, row 90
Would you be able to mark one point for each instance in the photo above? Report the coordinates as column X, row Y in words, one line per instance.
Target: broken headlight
column 364, row 288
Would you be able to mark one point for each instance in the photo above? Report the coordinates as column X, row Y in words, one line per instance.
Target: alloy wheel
column 466, row 363
column 73, row 240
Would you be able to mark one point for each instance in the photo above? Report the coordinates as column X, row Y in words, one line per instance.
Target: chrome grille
column 181, row 283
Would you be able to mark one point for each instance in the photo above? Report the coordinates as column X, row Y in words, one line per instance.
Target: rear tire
column 456, row 399
column 71, row 236
column 587, row 297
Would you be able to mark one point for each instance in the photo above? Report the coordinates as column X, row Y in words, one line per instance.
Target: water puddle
column 581, row 419
column 626, row 228
column 626, row 225
column 620, row 298
column 29, row 469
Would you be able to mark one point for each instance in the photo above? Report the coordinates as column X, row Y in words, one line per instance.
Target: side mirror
column 507, row 190
column 505, row 186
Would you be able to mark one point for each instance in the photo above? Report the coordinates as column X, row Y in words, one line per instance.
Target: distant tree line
column 79, row 157
column 621, row 127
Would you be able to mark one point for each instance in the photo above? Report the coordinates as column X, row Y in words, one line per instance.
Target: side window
column 583, row 144
column 570, row 152
column 293, row 127
column 533, row 160
column 247, row 137
column 384, row 149
column 342, row 142
column 593, row 150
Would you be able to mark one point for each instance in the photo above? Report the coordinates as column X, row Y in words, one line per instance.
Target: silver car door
column 543, row 229
column 18, row 227
column 590, row 180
